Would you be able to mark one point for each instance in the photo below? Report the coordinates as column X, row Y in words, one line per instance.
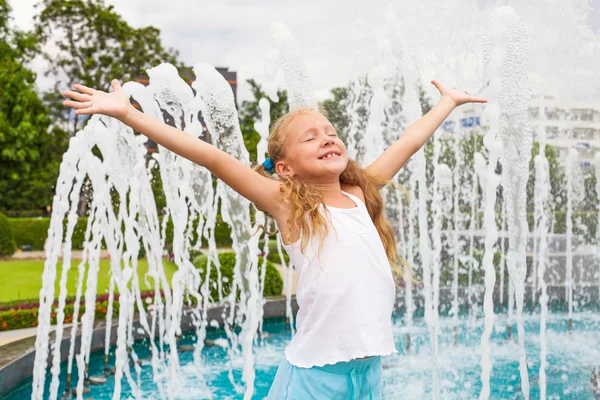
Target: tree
column 91, row 45
column 29, row 154
column 424, row 100
column 94, row 45
column 558, row 194
column 335, row 109
column 249, row 113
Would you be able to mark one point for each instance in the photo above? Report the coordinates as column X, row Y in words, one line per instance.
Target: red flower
column 104, row 310
column 4, row 325
column 33, row 324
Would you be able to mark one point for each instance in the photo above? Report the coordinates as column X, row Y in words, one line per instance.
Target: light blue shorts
column 353, row 380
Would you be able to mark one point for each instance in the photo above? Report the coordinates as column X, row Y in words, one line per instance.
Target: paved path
column 7, row 337
column 41, row 255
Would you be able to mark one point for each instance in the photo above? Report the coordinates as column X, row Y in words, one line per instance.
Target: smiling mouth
column 329, row 156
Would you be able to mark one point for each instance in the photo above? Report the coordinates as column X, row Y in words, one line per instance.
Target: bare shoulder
column 354, row 190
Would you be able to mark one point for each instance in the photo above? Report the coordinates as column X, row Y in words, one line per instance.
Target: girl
column 330, row 214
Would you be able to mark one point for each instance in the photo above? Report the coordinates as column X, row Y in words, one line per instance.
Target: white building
column 567, row 124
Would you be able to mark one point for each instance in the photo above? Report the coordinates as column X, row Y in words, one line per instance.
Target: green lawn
column 22, row 279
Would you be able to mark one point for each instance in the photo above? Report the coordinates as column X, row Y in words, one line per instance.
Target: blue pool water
column 407, row 375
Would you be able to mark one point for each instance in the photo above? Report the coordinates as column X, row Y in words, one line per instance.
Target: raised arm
column 260, row 190
column 416, row 135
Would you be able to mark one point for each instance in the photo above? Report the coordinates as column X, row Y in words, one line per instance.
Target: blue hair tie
column 268, row 164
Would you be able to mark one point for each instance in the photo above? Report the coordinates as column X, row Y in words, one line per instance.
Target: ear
column 284, row 169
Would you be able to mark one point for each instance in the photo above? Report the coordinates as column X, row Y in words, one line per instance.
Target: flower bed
column 25, row 314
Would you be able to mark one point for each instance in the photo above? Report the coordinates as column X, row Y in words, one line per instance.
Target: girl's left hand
column 457, row 96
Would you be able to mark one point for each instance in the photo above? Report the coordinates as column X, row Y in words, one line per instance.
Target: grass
column 22, row 279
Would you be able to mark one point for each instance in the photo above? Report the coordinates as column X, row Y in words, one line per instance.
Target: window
column 552, row 114
column 534, row 113
column 583, row 133
column 551, row 132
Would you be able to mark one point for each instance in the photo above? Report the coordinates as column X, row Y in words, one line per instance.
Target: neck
column 329, row 189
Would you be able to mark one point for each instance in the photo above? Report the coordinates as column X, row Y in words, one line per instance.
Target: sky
column 338, row 38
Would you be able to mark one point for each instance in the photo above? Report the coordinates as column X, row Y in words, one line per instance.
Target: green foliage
column 249, row 114
column 29, row 154
column 222, row 233
column 558, row 183
column 92, row 45
column 274, row 258
column 335, row 110
column 30, row 231
column 424, row 100
column 7, row 240
column 273, row 255
column 34, row 231
column 273, row 280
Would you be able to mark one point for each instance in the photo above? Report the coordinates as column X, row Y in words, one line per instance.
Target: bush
column 273, row 255
column 273, row 280
column 7, row 240
column 34, row 231
column 274, row 258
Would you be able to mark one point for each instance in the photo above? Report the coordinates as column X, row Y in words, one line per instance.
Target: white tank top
column 345, row 293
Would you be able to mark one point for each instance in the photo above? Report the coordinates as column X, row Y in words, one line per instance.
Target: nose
column 328, row 141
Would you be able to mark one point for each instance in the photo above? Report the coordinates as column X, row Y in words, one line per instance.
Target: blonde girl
column 330, row 214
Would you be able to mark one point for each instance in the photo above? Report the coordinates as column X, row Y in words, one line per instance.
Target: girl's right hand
column 90, row 101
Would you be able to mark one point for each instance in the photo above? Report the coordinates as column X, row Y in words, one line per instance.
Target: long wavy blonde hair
column 306, row 199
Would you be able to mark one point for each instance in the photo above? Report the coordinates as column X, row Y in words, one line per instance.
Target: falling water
column 436, row 254
column 506, row 51
column 458, row 162
column 262, row 127
column 569, row 233
column 542, row 196
column 489, row 221
column 472, row 228
column 597, row 167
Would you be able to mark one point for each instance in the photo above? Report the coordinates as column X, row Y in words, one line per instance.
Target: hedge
column 34, row 231
column 273, row 280
column 273, row 255
column 7, row 240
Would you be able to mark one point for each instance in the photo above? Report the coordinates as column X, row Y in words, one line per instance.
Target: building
column 567, row 125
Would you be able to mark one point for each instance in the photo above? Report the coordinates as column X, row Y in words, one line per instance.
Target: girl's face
column 313, row 150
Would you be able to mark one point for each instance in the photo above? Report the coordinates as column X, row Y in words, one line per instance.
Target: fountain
column 179, row 344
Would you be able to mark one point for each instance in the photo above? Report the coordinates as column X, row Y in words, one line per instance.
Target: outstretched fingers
column 87, row 111
column 115, row 85
column 77, row 96
column 84, row 89
column 77, row 104
column 477, row 100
